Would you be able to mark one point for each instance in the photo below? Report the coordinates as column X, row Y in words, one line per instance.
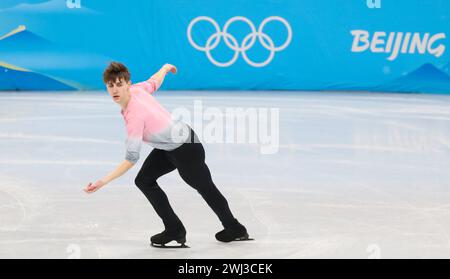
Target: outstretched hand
column 93, row 187
column 171, row 68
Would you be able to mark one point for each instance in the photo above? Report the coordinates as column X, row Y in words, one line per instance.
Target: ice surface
column 356, row 176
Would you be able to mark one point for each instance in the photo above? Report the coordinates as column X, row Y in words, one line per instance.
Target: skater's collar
column 125, row 111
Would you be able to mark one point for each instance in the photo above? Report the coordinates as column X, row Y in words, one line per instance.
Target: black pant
column 189, row 159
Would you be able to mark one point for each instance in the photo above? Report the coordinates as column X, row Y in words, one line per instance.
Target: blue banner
column 361, row 45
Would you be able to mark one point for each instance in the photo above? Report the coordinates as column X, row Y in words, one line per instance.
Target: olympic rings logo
column 246, row 43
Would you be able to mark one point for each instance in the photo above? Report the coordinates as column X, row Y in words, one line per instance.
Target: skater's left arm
column 161, row 74
column 155, row 81
column 119, row 171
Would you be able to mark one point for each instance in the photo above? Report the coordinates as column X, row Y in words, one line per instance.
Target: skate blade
column 163, row 246
column 244, row 238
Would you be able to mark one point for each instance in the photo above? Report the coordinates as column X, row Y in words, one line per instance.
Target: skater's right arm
column 119, row 171
column 135, row 132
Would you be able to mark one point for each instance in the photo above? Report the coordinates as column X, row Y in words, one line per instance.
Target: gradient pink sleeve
column 150, row 85
column 135, row 132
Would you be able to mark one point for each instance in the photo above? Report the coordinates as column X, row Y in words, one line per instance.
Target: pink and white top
column 147, row 121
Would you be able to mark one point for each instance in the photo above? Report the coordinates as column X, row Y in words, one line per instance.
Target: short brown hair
column 114, row 71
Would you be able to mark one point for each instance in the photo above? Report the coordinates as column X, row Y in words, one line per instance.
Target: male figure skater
column 176, row 146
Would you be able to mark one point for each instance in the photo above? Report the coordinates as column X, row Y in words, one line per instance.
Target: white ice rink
column 357, row 176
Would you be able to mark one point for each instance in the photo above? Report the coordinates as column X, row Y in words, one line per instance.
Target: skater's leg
column 153, row 167
column 190, row 162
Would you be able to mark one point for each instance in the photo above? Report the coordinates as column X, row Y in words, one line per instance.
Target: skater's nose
column 114, row 89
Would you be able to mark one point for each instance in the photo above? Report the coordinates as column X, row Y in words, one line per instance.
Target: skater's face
column 119, row 90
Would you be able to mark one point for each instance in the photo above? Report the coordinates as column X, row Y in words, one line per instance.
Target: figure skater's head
column 117, row 80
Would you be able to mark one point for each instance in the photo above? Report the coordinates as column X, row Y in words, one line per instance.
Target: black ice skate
column 235, row 232
column 161, row 239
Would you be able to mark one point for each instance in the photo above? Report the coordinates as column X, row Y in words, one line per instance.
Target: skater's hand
column 93, row 187
column 170, row 68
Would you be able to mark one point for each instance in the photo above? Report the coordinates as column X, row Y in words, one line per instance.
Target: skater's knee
column 141, row 183
column 197, row 177
column 138, row 181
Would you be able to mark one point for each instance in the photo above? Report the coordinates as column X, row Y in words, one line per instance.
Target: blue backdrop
column 385, row 45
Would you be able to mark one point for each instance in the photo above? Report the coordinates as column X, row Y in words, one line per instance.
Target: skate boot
column 235, row 232
column 161, row 239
